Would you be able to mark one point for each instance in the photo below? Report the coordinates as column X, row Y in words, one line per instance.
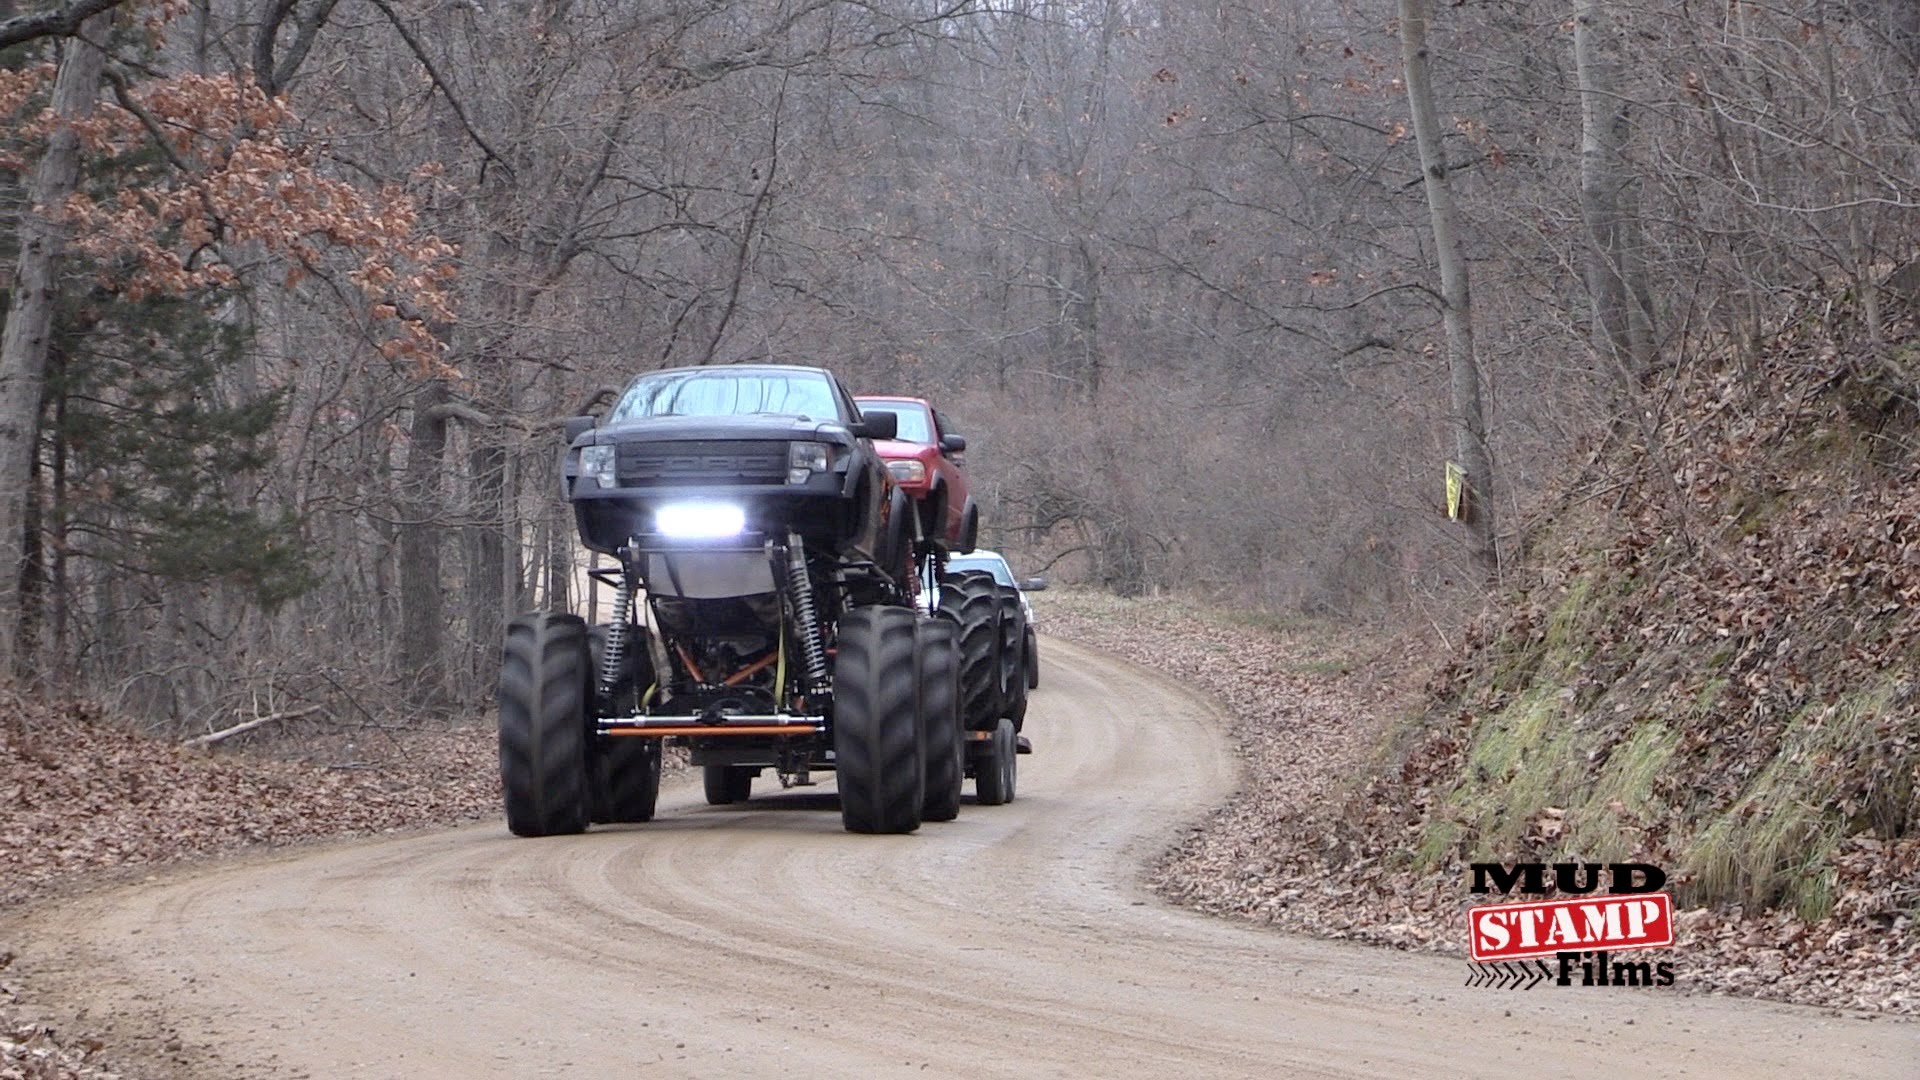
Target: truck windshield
column 723, row 392
column 993, row 564
column 915, row 427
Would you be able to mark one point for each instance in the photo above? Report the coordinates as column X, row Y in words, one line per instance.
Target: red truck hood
column 895, row 450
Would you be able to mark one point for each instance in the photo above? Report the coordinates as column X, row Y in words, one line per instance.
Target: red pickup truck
column 924, row 459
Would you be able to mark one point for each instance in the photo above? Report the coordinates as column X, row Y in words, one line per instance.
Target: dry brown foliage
column 240, row 186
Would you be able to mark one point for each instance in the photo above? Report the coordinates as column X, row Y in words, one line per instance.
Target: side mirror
column 952, row 444
column 877, row 425
column 578, row 426
column 1033, row 584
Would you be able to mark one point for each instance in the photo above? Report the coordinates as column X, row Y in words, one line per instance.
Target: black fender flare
column 969, row 528
column 935, row 519
column 896, row 540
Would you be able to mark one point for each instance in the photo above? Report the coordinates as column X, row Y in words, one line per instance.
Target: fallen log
column 212, row 737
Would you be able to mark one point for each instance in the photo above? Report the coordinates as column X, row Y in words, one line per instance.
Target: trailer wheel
column 544, row 724
column 968, row 599
column 728, row 784
column 878, row 757
column 938, row 680
column 624, row 772
column 998, row 769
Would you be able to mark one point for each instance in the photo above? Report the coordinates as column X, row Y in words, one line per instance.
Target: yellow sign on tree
column 1456, row 490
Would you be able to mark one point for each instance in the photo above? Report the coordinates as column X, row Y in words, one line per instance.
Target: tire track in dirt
column 764, row 940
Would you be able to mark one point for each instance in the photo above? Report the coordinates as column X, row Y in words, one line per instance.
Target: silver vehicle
column 996, row 564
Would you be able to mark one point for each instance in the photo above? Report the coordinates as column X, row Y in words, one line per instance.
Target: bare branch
column 467, row 414
column 420, row 54
column 273, row 75
column 746, row 233
column 59, row 22
column 263, row 38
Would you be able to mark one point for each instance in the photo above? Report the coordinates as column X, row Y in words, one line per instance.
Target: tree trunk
column 1470, row 432
column 486, row 549
column 29, row 326
column 1622, row 317
column 560, row 547
column 33, row 572
column 62, row 538
column 423, row 603
column 517, row 578
column 1086, row 318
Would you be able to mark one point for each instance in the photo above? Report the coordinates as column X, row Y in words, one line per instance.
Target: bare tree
column 1470, row 429
column 29, row 319
column 1178, row 294
column 1615, row 264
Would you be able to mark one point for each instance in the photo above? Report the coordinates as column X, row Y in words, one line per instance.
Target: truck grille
column 704, row 461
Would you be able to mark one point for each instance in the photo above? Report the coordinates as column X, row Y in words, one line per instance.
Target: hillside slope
column 1706, row 660
column 1712, row 668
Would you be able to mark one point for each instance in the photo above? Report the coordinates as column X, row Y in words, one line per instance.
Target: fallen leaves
column 1320, row 840
column 80, row 793
column 34, row 1052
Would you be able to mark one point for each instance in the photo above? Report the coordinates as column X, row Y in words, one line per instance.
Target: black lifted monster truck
column 763, row 615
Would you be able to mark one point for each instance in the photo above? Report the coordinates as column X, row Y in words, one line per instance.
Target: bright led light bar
column 700, row 521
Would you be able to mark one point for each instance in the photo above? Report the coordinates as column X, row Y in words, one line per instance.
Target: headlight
column 908, row 472
column 596, row 463
column 699, row 521
column 806, row 458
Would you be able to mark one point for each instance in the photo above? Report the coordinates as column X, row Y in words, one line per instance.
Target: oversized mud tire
column 938, row 681
column 1013, row 656
column 1033, row 659
column 544, row 725
column 969, row 531
column 625, row 780
column 878, row 757
column 727, row 784
column 969, row 599
column 998, row 769
column 623, row 772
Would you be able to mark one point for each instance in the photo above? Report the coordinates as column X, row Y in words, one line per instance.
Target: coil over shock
column 813, row 653
column 615, row 649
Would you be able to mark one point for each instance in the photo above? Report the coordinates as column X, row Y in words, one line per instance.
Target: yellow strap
column 780, row 669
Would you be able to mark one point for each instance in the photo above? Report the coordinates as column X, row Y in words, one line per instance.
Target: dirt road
column 763, row 940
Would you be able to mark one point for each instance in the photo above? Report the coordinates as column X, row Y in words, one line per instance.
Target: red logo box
column 1581, row 923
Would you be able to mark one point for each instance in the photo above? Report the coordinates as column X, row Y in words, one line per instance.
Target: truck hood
column 675, row 428
column 895, row 450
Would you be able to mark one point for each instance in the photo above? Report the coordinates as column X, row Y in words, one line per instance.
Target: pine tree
column 161, row 452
